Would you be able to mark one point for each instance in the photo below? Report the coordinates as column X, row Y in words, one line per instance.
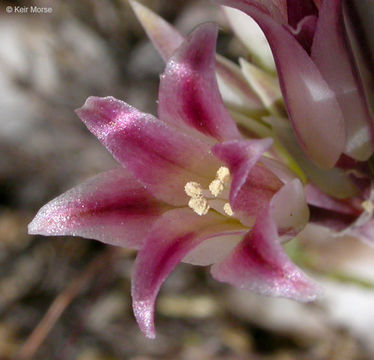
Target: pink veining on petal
column 111, row 207
column 170, row 240
column 260, row 264
column 159, row 156
column 188, row 96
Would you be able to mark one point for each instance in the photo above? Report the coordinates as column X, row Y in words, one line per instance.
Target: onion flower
column 311, row 69
column 189, row 188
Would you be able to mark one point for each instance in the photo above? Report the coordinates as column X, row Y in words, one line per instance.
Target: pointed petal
column 159, row 156
column 342, row 76
column 260, row 264
column 165, row 38
column 111, row 207
column 309, row 100
column 189, row 97
column 299, row 9
column 265, row 85
column 171, row 238
column 251, row 35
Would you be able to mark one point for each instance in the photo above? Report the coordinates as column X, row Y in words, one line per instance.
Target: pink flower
column 319, row 75
column 190, row 188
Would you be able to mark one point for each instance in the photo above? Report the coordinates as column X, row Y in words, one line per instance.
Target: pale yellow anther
column 216, row 187
column 193, row 189
column 199, row 205
column 227, row 209
column 223, row 174
column 368, row 206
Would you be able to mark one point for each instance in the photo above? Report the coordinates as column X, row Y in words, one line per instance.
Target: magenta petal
column 188, row 96
column 309, row 100
column 111, row 207
column 164, row 36
column 159, row 156
column 339, row 71
column 260, row 264
column 170, row 240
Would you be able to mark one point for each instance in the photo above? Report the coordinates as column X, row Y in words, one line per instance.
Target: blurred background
column 50, row 63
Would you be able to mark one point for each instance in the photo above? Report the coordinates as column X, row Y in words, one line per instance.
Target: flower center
column 216, row 197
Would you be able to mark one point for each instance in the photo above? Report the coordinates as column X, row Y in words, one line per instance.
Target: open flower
column 190, row 188
column 306, row 38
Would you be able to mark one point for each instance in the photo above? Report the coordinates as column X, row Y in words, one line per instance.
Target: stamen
column 228, row 210
column 199, row 205
column 216, row 187
column 193, row 189
column 223, row 174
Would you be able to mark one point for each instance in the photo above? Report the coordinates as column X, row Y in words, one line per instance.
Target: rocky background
column 50, row 63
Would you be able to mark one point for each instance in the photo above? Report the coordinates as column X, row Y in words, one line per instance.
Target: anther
column 223, row 174
column 228, row 210
column 193, row 189
column 216, row 187
column 199, row 205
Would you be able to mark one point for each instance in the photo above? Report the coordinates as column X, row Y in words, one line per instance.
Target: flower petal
column 235, row 91
column 260, row 264
column 309, row 100
column 251, row 35
column 265, row 85
column 170, row 239
column 165, row 38
column 343, row 78
column 159, row 156
column 111, row 207
column 188, row 96
column 289, row 209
